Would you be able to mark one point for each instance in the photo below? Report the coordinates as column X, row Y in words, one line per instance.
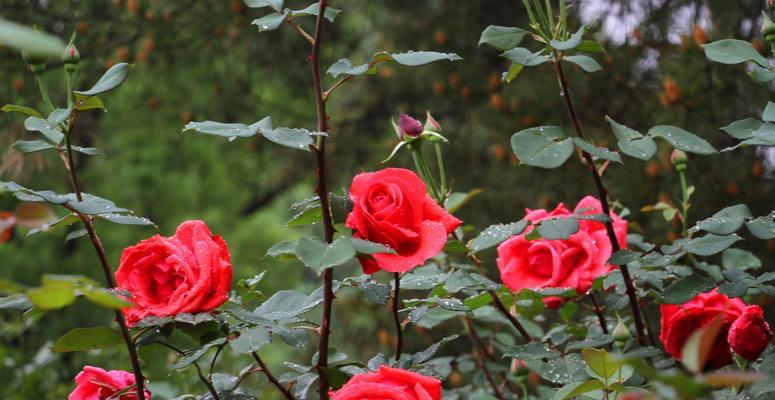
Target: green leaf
column 309, row 215
column 81, row 339
column 543, row 146
column 769, row 112
column 286, row 247
column 574, row 389
column 15, row 302
column 502, row 37
column 428, row 353
column 710, row 244
column 271, row 21
column 125, row 219
column 416, row 58
column 458, row 200
column 557, row 228
column 277, row 5
column 314, row 10
column 32, row 146
column 231, row 131
column 192, row 355
column 632, row 142
column 106, row 298
column 700, row 344
column 29, row 40
column 573, row 42
column 83, row 103
column 513, row 72
column 733, row 51
column 531, row 351
column 623, row 257
column 366, row 247
column 345, row 67
column 318, row 256
column 89, row 151
column 600, row 362
column 495, row 234
column 299, row 139
column 523, row 56
column 686, row 288
column 51, row 133
column 762, row 227
column 375, row 291
column 599, row 152
column 110, row 80
column 251, row 339
column 682, row 140
column 743, row 129
column 287, row 304
column 49, row 297
column 22, row 110
column 740, row 259
column 591, row 46
column 586, row 63
column 726, row 221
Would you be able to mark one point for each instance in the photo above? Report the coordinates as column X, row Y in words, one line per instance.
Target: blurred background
column 202, row 60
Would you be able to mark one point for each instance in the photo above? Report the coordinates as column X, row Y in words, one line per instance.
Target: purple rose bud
column 409, row 126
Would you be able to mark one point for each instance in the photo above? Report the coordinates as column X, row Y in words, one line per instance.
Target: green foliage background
column 198, row 60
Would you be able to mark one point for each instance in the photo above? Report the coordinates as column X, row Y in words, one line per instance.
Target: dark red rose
column 389, row 384
column 409, row 126
column 392, row 207
column 750, row 334
column 680, row 321
column 189, row 272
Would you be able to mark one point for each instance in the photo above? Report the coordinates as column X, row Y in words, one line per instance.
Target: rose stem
column 603, row 196
column 599, row 312
column 109, row 279
column 322, row 191
column 199, row 373
column 499, row 304
column 396, row 302
column 271, row 377
column 481, row 351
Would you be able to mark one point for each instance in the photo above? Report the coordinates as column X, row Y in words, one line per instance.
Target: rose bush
column 392, row 207
column 189, row 272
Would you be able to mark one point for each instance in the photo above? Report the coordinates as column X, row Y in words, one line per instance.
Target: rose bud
column 431, row 124
column 71, row 55
column 36, row 63
column 408, row 126
column 749, row 333
column 621, row 334
column 679, row 159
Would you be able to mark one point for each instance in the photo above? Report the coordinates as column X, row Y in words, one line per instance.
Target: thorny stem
column 271, row 377
column 499, row 304
column 107, row 271
column 599, row 312
column 322, row 191
column 396, row 319
column 603, row 196
column 482, row 353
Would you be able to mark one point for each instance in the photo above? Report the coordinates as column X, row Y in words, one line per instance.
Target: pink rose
column 568, row 263
column 392, row 207
column 389, row 384
column 97, row 384
column 189, row 272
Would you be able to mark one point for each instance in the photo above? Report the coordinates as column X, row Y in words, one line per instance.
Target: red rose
column 750, row 333
column 392, row 207
column 389, row 384
column 189, row 272
column 567, row 263
column 97, row 384
column 7, row 221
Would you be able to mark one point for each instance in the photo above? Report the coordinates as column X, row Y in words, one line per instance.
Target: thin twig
column 106, row 269
column 202, row 377
column 599, row 312
column 499, row 304
column 301, row 30
column 396, row 319
column 336, row 86
column 271, row 377
column 603, row 196
column 481, row 351
column 322, row 191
